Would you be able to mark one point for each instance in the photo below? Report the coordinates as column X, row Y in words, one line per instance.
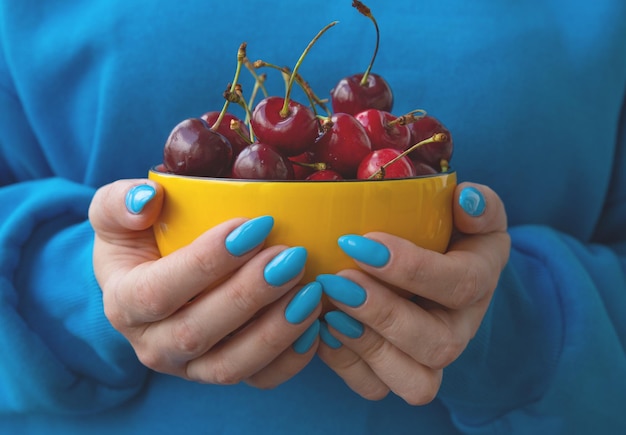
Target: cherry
column 383, row 131
column 342, row 145
column 284, row 123
column 422, row 168
column 193, row 148
column 304, row 165
column 259, row 161
column 359, row 92
column 292, row 134
column 431, row 153
column 325, row 175
column 238, row 140
column 352, row 95
column 380, row 164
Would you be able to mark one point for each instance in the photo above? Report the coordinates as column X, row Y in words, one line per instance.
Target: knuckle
column 224, row 373
column 187, row 338
column 445, row 351
column 467, row 289
column 149, row 301
column 241, row 298
column 426, row 393
column 151, row 359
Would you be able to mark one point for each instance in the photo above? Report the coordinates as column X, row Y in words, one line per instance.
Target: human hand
column 221, row 310
column 410, row 312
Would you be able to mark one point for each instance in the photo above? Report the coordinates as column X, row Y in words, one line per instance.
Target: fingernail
column 285, row 266
column 138, row 197
column 342, row 290
column 249, row 235
column 306, row 340
column 328, row 338
column 472, row 201
column 365, row 250
column 345, row 324
column 304, row 302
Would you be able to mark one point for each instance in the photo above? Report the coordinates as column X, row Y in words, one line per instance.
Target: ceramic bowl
column 313, row 214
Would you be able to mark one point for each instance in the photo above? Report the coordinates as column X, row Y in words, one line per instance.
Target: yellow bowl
column 313, row 214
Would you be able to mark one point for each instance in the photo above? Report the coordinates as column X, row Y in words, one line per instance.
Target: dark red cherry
column 371, row 165
column 431, row 153
column 192, row 148
column 259, row 161
column 292, row 133
column 343, row 145
column 236, row 140
column 325, row 175
column 350, row 96
column 422, row 168
column 382, row 131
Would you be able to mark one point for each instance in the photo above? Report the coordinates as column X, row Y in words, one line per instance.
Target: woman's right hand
column 221, row 310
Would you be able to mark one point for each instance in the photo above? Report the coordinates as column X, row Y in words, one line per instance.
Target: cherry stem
column 258, row 84
column 408, row 118
column 237, row 97
column 241, row 55
column 285, row 110
column 259, row 79
column 312, row 97
column 319, row 166
column 364, row 10
column 380, row 174
column 236, row 127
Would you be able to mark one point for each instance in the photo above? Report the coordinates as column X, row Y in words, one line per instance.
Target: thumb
column 478, row 209
column 125, row 206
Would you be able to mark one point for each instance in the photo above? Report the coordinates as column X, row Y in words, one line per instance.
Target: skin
column 237, row 331
column 452, row 293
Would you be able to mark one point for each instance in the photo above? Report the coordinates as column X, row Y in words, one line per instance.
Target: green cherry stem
column 408, row 118
column 285, row 110
column 380, row 174
column 364, row 10
column 241, row 55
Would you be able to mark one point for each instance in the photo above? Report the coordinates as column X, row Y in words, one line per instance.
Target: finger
column 125, row 207
column 349, row 366
column 148, row 291
column 478, row 209
column 403, row 375
column 434, row 337
column 265, row 340
column 290, row 362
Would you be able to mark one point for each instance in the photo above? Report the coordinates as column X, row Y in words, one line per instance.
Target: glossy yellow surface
column 312, row 214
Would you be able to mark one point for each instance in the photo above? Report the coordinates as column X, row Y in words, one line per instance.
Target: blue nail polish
column 328, row 338
column 138, row 197
column 248, row 235
column 365, row 250
column 345, row 324
column 285, row 266
column 306, row 340
column 472, row 201
column 342, row 290
column 304, row 302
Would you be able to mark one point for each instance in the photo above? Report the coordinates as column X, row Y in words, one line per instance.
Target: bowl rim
column 154, row 169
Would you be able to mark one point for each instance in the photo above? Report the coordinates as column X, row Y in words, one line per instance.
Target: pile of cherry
column 282, row 139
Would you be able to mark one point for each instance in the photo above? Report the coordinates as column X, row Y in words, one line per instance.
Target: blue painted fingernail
column 304, row 302
column 138, row 197
column 472, row 201
column 249, row 235
column 328, row 338
column 345, row 324
column 342, row 290
column 285, row 266
column 308, row 337
column 365, row 250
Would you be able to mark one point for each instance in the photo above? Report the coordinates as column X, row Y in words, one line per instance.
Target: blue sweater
column 533, row 93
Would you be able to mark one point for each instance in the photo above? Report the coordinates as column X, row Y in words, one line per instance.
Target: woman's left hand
column 410, row 312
